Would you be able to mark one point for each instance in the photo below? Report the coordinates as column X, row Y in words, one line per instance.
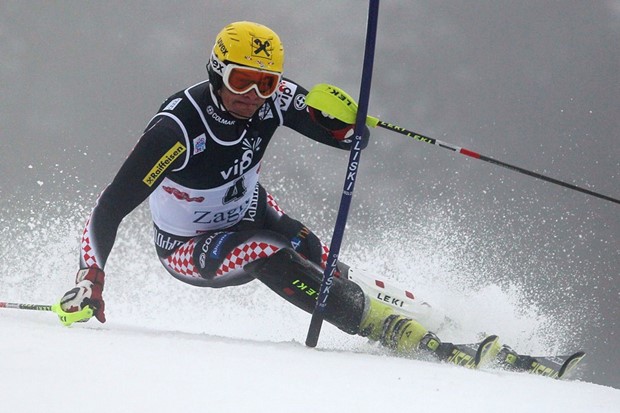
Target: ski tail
column 549, row 366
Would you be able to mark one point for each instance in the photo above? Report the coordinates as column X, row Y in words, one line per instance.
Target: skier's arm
column 158, row 152
column 315, row 124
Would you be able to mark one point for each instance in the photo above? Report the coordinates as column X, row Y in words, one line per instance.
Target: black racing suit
column 199, row 167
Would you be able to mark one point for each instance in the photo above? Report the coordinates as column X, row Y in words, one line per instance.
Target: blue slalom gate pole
column 349, row 184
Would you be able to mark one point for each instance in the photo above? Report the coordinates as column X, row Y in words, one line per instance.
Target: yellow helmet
column 250, row 44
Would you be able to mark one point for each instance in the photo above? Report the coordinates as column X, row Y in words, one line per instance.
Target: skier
column 198, row 162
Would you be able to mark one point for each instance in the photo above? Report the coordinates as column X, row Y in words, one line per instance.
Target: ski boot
column 382, row 323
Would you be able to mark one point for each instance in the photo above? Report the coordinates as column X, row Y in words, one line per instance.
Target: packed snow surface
column 168, row 346
column 127, row 368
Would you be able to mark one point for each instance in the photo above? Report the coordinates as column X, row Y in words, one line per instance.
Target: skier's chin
column 241, row 113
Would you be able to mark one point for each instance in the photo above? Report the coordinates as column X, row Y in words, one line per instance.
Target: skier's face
column 241, row 106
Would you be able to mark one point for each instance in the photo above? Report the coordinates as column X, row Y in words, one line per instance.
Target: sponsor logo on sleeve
column 200, row 144
column 164, row 162
column 173, row 104
column 286, row 92
column 300, row 102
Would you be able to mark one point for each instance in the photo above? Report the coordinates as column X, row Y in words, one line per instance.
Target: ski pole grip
column 337, row 103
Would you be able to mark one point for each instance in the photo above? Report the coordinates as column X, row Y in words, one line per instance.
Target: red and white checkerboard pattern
column 88, row 254
column 182, row 261
column 271, row 202
column 245, row 254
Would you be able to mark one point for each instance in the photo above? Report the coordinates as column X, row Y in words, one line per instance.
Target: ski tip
column 571, row 362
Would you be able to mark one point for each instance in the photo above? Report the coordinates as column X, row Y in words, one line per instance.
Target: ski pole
column 337, row 103
column 347, row 193
column 65, row 317
column 22, row 306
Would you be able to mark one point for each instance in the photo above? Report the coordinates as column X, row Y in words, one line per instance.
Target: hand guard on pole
column 339, row 130
column 86, row 293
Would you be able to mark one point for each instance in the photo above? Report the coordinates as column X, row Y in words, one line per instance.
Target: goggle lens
column 240, row 80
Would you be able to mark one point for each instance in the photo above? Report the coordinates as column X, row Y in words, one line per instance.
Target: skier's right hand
column 87, row 292
column 338, row 129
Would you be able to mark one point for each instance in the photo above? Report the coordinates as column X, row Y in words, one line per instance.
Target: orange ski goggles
column 242, row 79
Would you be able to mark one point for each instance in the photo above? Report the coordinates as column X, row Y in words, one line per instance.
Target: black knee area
column 301, row 239
column 298, row 281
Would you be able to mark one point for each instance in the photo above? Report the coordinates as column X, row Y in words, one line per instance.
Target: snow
column 119, row 367
column 168, row 346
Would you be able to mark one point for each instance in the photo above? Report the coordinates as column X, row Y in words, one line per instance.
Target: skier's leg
column 302, row 240
column 309, row 246
column 405, row 301
column 350, row 309
column 216, row 259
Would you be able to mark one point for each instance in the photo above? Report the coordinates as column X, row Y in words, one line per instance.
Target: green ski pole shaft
column 65, row 317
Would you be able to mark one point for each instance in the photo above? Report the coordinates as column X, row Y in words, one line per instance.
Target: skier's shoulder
column 181, row 110
column 185, row 101
column 290, row 96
